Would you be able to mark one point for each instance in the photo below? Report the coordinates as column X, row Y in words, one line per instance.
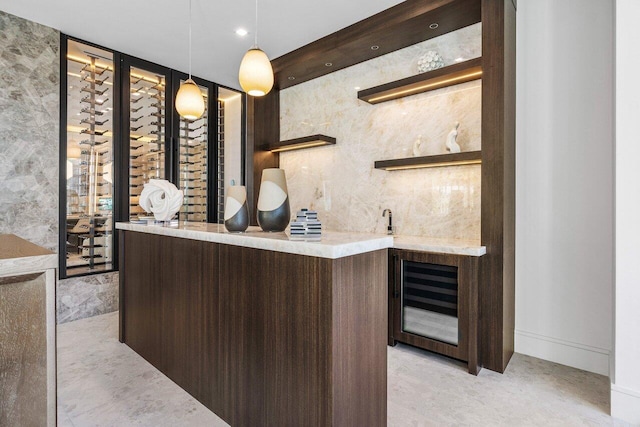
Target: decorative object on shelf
column 430, row 61
column 161, row 198
column 303, row 142
column 416, row 146
column 256, row 72
column 189, row 100
column 236, row 211
column 450, row 159
column 273, row 201
column 451, row 143
column 306, row 225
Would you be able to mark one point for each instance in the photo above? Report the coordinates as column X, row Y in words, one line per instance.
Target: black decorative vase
column 236, row 212
column 274, row 212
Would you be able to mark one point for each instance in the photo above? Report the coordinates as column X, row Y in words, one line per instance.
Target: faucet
column 390, row 226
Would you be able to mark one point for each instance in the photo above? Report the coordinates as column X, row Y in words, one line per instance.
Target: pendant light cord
column 256, row 35
column 190, row 38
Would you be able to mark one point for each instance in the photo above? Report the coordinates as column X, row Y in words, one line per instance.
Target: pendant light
column 256, row 73
column 189, row 100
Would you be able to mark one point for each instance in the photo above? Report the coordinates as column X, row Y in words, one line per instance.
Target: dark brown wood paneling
column 391, row 295
column 142, row 294
column 121, row 287
column 431, row 80
column 395, row 28
column 509, row 260
column 359, row 357
column 261, row 337
column 497, row 284
column 302, row 142
column 216, row 366
column 183, row 274
column 242, row 312
column 263, row 129
column 298, row 382
column 438, row 160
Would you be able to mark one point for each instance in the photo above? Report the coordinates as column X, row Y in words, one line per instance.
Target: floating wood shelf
column 431, row 80
column 299, row 143
column 455, row 159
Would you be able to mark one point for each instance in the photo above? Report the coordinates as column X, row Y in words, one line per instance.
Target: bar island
column 262, row 329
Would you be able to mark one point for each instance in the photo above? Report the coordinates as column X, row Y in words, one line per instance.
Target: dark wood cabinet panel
column 182, row 286
column 497, row 282
column 141, row 305
column 261, row 337
column 359, row 337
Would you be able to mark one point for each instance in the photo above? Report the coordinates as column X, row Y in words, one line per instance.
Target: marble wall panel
column 86, row 296
column 29, row 120
column 29, row 144
column 340, row 181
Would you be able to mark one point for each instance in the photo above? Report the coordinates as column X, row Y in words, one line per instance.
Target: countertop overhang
column 332, row 244
column 19, row 256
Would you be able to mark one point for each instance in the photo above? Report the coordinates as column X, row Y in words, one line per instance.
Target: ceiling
column 157, row 30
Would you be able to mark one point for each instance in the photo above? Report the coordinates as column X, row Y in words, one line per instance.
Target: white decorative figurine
column 430, row 61
column 416, row 146
column 161, row 198
column 452, row 145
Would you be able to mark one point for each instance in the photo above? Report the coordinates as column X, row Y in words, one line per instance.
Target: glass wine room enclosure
column 119, row 129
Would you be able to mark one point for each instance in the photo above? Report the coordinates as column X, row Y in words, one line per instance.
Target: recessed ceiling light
column 328, row 64
column 241, row 32
column 375, row 47
column 433, row 26
column 357, row 88
column 459, row 59
column 291, row 78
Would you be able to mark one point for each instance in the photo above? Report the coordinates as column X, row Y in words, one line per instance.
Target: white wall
column 625, row 388
column 564, row 175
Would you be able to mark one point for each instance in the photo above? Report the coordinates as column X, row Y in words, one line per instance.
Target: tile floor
column 104, row 383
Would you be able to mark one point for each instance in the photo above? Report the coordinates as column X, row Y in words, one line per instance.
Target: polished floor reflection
column 104, row 383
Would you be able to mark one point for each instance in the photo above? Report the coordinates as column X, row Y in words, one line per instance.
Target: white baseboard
column 625, row 404
column 567, row 353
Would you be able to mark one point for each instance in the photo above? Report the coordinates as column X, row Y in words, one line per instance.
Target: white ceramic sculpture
column 452, row 145
column 161, row 198
column 416, row 146
column 430, row 61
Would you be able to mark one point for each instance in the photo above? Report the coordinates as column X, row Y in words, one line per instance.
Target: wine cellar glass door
column 192, row 163
column 148, row 155
column 88, row 159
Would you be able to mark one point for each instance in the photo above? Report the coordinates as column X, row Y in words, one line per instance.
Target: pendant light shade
column 189, row 101
column 256, row 73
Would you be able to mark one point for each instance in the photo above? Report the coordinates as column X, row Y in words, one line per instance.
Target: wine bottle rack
column 220, row 160
column 146, row 133
column 90, row 183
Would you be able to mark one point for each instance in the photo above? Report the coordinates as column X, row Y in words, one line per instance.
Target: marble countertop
column 18, row 256
column 444, row 246
column 333, row 244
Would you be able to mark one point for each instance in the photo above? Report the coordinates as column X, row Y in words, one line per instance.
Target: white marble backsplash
column 340, row 182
